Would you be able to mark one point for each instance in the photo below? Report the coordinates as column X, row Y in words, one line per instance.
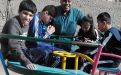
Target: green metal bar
column 64, row 36
column 47, row 40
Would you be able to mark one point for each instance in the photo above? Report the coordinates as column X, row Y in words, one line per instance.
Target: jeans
column 39, row 55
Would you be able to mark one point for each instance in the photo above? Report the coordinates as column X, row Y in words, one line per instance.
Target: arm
column 95, row 39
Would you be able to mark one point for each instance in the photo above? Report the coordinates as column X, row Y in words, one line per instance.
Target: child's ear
column 104, row 24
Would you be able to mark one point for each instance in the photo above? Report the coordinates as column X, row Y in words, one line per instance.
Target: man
column 19, row 25
column 66, row 21
column 40, row 28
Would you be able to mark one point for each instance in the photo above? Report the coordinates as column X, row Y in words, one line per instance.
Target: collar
column 40, row 20
column 62, row 12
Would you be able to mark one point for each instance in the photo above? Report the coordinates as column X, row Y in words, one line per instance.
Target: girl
column 87, row 34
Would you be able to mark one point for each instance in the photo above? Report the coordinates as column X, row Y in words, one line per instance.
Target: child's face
column 86, row 26
column 25, row 17
column 46, row 17
column 101, row 26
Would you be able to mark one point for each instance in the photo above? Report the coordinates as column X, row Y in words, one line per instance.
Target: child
column 19, row 25
column 40, row 28
column 88, row 34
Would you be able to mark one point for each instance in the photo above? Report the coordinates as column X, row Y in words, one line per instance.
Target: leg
column 36, row 55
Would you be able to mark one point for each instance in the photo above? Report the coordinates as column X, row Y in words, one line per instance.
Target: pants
column 39, row 55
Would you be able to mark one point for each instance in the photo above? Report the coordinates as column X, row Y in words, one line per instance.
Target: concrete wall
column 9, row 8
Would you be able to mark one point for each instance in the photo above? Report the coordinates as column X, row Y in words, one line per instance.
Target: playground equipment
column 43, row 70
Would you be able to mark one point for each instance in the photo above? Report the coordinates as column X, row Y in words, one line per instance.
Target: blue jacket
column 37, row 29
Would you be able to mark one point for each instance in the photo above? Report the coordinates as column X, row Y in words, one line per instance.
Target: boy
column 113, row 45
column 40, row 28
column 19, row 25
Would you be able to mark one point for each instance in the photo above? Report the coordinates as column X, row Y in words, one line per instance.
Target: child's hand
column 81, row 41
column 87, row 40
column 83, row 59
column 31, row 66
column 50, row 29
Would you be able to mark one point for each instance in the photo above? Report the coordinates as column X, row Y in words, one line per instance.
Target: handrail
column 64, row 36
column 66, row 55
column 111, row 55
column 47, row 40
column 86, row 57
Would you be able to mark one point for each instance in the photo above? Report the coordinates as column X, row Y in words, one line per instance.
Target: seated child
column 14, row 49
column 40, row 28
column 88, row 34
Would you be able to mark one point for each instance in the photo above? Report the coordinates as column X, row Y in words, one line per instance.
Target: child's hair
column 27, row 5
column 87, row 18
column 51, row 10
column 104, row 16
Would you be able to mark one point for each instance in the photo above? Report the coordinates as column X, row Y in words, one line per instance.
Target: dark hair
column 51, row 10
column 104, row 16
column 27, row 5
column 87, row 18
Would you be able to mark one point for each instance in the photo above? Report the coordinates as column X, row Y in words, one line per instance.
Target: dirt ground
column 10, row 72
column 3, row 73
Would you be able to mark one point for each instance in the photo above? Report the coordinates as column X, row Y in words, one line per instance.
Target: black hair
column 104, row 16
column 51, row 10
column 27, row 5
column 87, row 18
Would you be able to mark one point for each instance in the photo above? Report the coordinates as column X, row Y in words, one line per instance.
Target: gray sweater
column 14, row 27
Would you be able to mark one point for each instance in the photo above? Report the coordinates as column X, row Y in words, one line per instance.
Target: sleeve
column 47, row 35
column 97, row 35
column 16, row 45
